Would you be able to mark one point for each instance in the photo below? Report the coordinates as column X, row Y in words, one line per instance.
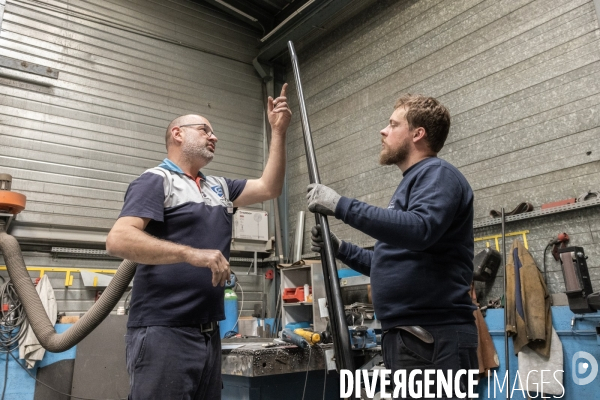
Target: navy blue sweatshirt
column 422, row 264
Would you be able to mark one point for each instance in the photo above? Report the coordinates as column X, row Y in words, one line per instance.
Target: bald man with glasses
column 176, row 223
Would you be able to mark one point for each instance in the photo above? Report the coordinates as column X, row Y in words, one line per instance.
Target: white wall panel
column 126, row 69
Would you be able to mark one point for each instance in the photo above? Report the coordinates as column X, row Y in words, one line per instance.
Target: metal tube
column 299, row 238
column 337, row 317
column 506, row 352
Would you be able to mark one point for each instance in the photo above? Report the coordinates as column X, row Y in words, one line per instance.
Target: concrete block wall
column 520, row 80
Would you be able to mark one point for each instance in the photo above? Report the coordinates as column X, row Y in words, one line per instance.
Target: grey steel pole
column 299, row 237
column 337, row 316
column 506, row 355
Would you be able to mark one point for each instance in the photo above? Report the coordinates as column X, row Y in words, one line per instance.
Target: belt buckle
column 207, row 327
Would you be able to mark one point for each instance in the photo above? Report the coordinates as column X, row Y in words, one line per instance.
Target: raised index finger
column 283, row 89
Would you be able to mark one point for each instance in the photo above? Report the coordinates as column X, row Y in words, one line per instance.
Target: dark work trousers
column 173, row 363
column 454, row 348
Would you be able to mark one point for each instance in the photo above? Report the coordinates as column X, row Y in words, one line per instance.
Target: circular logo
column 581, row 367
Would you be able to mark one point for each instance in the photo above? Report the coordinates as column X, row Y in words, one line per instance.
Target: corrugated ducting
column 125, row 70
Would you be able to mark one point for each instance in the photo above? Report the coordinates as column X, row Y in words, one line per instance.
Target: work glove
column 317, row 243
column 322, row 199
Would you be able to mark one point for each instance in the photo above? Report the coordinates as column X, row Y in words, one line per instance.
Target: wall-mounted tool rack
column 539, row 213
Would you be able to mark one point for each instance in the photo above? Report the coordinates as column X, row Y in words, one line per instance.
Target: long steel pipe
column 337, row 317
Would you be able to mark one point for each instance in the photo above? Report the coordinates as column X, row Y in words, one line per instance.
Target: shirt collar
column 171, row 166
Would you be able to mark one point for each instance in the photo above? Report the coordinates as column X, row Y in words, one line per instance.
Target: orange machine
column 10, row 202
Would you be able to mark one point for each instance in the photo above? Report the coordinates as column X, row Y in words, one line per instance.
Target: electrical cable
column 544, row 261
column 307, row 366
column 14, row 323
column 506, row 351
column 325, row 378
column 584, row 333
column 241, row 306
column 590, row 333
column 13, row 327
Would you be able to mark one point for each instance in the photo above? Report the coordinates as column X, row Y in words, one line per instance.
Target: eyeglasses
column 207, row 130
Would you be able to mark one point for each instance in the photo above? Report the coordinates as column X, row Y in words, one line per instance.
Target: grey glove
column 317, row 242
column 322, row 199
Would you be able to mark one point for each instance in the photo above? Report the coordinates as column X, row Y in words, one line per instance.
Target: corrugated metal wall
column 126, row 69
column 520, row 78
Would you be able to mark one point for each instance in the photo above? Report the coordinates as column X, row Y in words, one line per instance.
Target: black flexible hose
column 544, row 261
column 38, row 319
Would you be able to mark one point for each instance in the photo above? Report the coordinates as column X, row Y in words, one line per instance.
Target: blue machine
column 362, row 338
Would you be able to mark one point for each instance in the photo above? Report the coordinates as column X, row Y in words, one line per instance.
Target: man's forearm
column 274, row 172
column 136, row 245
column 355, row 257
column 414, row 230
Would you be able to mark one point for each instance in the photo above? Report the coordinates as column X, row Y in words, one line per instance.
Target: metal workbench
column 252, row 359
column 252, row 372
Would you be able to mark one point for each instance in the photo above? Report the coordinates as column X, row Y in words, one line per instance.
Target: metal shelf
column 300, row 303
column 355, row 280
column 539, row 213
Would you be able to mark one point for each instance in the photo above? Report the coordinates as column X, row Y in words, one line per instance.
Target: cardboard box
column 251, row 225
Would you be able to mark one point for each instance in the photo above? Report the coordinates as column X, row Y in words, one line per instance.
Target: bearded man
column 176, row 223
column 421, row 266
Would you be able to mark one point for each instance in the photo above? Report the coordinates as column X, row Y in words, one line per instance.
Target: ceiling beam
column 245, row 12
column 295, row 29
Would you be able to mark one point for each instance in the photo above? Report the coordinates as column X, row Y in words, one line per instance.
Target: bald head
column 183, row 120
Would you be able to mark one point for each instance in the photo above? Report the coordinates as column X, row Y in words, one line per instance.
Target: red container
column 294, row 295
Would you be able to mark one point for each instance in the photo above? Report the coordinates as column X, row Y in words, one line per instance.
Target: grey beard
column 192, row 151
column 388, row 157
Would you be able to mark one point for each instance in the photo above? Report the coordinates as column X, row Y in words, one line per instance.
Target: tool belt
column 416, row 331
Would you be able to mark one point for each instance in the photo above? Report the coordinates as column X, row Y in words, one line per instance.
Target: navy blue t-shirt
column 180, row 212
column 422, row 264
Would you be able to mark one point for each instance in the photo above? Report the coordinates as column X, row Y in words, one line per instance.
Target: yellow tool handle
column 311, row 337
